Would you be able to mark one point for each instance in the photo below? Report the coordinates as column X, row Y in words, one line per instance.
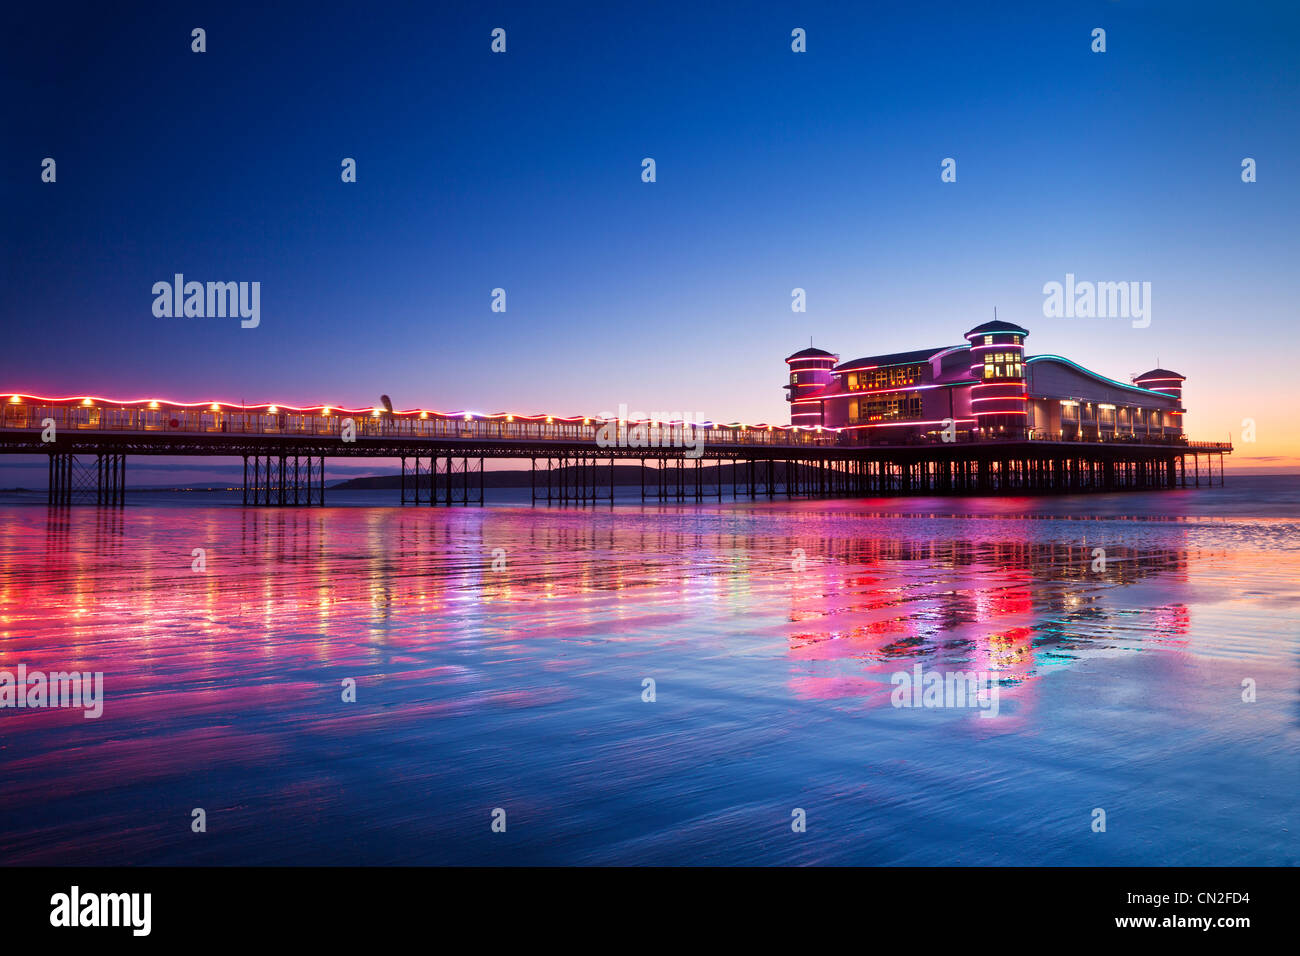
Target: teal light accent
column 1059, row 358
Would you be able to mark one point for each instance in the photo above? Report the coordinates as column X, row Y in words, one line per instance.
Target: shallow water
column 521, row 688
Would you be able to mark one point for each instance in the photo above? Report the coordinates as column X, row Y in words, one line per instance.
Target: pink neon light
column 941, row 421
column 1003, row 332
column 883, row 391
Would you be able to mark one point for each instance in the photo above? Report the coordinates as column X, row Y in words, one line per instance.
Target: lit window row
column 885, row 408
column 884, row 377
column 1004, row 370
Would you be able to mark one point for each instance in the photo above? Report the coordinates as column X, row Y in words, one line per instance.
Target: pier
column 441, row 456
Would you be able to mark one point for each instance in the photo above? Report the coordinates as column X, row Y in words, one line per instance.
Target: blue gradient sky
column 775, row 170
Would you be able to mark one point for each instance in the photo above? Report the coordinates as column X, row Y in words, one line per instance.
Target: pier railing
column 151, row 418
column 322, row 423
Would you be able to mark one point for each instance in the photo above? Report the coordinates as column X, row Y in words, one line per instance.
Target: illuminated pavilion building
column 986, row 387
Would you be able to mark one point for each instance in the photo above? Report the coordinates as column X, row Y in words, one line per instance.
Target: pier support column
column 71, row 484
column 110, row 487
column 59, row 489
column 271, row 482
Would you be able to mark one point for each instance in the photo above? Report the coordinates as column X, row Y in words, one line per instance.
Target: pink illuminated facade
column 985, row 388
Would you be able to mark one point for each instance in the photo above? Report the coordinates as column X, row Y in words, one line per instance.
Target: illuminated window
column 1003, row 365
column 988, row 340
column 890, row 408
column 794, row 378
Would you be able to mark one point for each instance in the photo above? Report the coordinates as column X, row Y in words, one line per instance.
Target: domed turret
column 1166, row 383
column 1162, row 380
column 998, row 397
column 810, row 372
